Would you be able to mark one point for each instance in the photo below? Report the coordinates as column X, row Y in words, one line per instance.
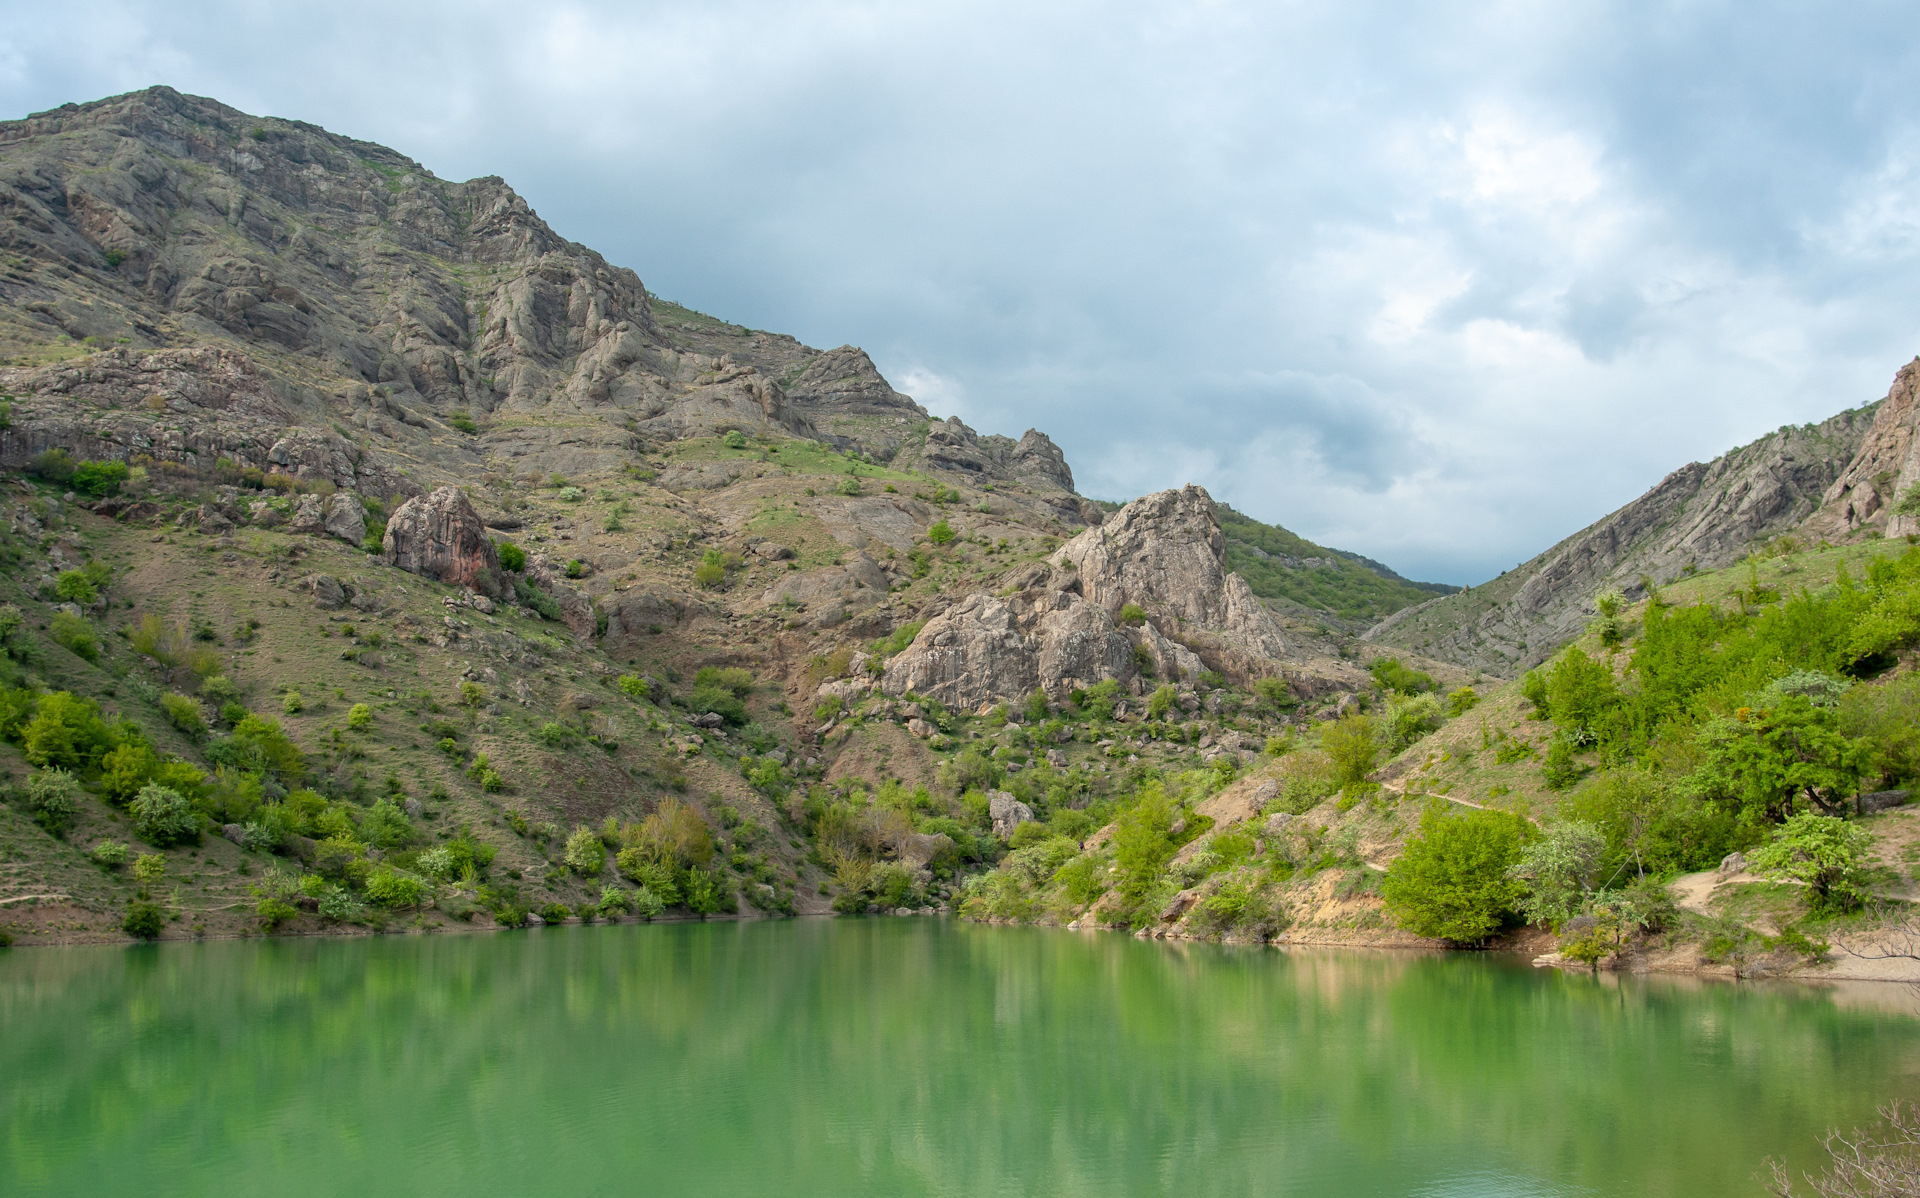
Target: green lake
column 904, row 1057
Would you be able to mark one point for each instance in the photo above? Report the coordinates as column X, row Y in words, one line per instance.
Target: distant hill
column 1285, row 568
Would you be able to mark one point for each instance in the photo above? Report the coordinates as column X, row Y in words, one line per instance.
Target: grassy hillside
column 1286, row 569
column 1737, row 712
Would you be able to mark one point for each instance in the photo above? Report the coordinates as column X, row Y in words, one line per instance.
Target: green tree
column 53, row 799
column 585, row 854
column 1142, row 845
column 75, row 587
column 1351, row 744
column 1454, row 880
column 163, row 816
column 1829, row 855
column 1762, row 763
column 1559, row 870
column 145, row 920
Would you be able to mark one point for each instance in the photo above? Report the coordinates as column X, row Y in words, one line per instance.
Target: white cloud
column 1436, row 288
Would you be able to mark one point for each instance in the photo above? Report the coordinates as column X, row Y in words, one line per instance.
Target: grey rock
column 534, row 920
column 309, row 515
column 772, row 552
column 1276, row 824
column 328, row 594
column 346, row 518
column 237, row 833
column 1006, row 812
column 1179, row 905
column 1882, row 800
column 1732, row 863
column 919, row 849
column 707, row 719
column 1056, row 759
column 413, row 808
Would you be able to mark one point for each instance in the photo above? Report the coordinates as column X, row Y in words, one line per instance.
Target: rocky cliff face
column 438, row 329
column 1862, row 500
column 1702, row 515
column 1057, row 625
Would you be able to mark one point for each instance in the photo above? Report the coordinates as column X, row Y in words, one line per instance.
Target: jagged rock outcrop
column 441, row 536
column 346, row 518
column 1886, row 467
column 1703, row 515
column 1165, row 553
column 576, row 606
column 1057, row 630
column 1034, row 459
column 827, row 596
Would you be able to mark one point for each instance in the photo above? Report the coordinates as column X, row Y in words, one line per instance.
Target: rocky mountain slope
column 522, row 558
column 1700, row 517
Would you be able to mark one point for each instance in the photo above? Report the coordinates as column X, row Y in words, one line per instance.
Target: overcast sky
column 1439, row 284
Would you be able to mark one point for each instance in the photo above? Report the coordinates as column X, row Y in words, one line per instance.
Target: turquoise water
column 904, row 1057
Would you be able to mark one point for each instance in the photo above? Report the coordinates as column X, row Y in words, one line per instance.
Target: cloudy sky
column 1437, row 283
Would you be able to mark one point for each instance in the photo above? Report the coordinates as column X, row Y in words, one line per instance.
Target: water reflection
column 907, row 1057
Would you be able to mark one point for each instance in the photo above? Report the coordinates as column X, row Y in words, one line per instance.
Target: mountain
column 1832, row 480
column 375, row 514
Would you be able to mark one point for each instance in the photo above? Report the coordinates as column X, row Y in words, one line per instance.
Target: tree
column 1581, row 693
column 1882, row 1163
column 163, row 816
column 1829, row 855
column 1141, row 846
column 1350, row 742
column 1762, row 763
column 53, row 798
column 145, row 920
column 1559, row 870
column 1454, row 880
column 585, row 853
column 512, row 557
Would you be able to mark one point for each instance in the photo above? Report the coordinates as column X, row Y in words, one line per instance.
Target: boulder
column 991, row 648
column 1733, row 863
column 920, row 849
column 772, row 552
column 237, row 833
column 264, row 515
column 1056, row 759
column 328, row 594
column 346, row 518
column 1179, row 905
column 534, row 920
column 1276, row 824
column 1007, row 813
column 1882, row 800
column 309, row 515
column 440, row 536
column 920, row 727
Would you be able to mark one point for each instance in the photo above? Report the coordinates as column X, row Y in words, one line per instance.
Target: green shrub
column 585, row 854
column 111, row 854
column 75, row 587
column 293, row 703
column 940, row 532
column 65, row 731
column 359, row 717
column 145, row 920
column 462, row 421
column 1132, row 613
column 634, row 686
column 512, row 557
column 54, row 465
column 99, row 479
column 274, row 911
column 184, row 713
column 388, row 887
column 163, row 816
column 734, row 439
column 149, row 868
column 721, row 701
column 707, row 893
column 1560, row 869
column 53, row 799
column 1454, row 879
column 536, row 600
column 731, row 678
column 1349, row 742
column 1461, row 701
column 1395, row 675
column 75, row 634
column 1829, row 855
column 647, row 904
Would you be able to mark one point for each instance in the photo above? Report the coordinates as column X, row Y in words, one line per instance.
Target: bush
column 634, row 686
column 536, row 600
column 1560, row 869
column 99, row 479
column 731, row 678
column 184, row 713
column 734, row 439
column 293, row 703
column 163, row 816
column 1829, row 855
column 585, row 854
column 1349, row 743
column 359, row 717
column 1274, row 694
column 388, row 887
column 145, row 920
column 721, row 701
column 149, row 868
column 75, row 587
column 1462, row 701
column 111, row 854
column 1395, row 675
column 54, row 465
column 940, row 533
column 53, row 799
column 512, row 557
column 75, row 634
column 65, row 731
column 1133, row 614
column 647, row 904
column 1454, row 880
column 707, row 893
